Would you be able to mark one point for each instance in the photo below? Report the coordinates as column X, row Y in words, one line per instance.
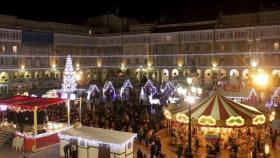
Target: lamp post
column 260, row 79
column 189, row 97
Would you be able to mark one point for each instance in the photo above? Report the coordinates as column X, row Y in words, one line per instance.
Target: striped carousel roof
column 221, row 108
column 217, row 110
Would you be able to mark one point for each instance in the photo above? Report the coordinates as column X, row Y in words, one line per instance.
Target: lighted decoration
column 167, row 114
column 142, row 94
column 173, row 100
column 150, row 86
column 275, row 95
column 92, row 88
column 51, row 94
column 153, row 101
column 108, row 85
column 95, row 143
column 126, row 84
column 206, row 120
column 258, row 120
column 72, row 96
column 182, row 118
column 3, row 107
column 272, row 116
column 235, row 121
column 266, row 149
column 69, row 81
column 168, row 88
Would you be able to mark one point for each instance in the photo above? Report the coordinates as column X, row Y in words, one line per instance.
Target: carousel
column 217, row 119
column 26, row 119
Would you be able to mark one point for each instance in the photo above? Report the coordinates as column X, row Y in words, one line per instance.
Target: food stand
column 98, row 142
column 48, row 130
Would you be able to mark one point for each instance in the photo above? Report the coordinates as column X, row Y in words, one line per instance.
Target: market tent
column 32, row 103
column 246, row 94
column 26, row 102
column 217, row 110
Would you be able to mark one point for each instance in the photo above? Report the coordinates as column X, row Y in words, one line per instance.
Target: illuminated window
column 3, row 48
column 276, row 45
column 14, row 49
column 222, row 47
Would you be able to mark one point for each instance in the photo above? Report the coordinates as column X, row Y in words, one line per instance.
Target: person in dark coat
column 67, row 150
column 153, row 146
column 139, row 154
column 179, row 151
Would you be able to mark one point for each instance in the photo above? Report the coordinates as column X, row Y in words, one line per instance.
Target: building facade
column 31, row 51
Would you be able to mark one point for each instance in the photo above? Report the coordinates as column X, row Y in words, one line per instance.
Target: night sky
column 78, row 11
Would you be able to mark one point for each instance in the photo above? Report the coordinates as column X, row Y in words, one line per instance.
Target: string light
column 138, row 55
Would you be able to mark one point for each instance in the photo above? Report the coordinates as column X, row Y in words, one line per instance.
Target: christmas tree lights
column 69, row 82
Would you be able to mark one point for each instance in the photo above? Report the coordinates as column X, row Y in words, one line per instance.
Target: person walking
column 139, row 153
column 273, row 138
column 179, row 151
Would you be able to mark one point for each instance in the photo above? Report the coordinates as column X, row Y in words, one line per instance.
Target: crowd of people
column 239, row 141
column 131, row 115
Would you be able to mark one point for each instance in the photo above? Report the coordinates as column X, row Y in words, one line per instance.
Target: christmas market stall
column 241, row 94
column 26, row 117
column 218, row 119
column 97, row 142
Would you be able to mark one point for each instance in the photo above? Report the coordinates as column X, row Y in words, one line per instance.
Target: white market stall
column 98, row 142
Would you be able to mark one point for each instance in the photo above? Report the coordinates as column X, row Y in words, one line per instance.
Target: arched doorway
column 175, row 72
column 165, row 75
column 104, row 75
column 57, row 74
column 37, row 75
column 207, row 74
column 234, row 72
column 27, row 75
column 47, row 74
column 223, row 73
column 245, row 74
column 16, row 76
column 4, row 77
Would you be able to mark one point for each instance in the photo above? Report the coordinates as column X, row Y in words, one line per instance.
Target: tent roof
column 221, row 108
column 26, row 102
column 244, row 92
column 100, row 134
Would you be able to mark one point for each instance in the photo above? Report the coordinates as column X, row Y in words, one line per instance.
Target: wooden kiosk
column 98, row 142
column 32, row 140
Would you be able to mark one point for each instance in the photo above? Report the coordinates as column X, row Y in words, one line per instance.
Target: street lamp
column 260, row 79
column 190, row 94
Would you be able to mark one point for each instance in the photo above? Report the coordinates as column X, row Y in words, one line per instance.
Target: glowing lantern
column 182, row 118
column 167, row 114
column 272, row 116
column 258, row 120
column 235, row 121
column 206, row 120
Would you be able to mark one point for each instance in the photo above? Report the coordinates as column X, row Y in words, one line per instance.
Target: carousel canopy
column 221, row 108
column 217, row 110
column 26, row 102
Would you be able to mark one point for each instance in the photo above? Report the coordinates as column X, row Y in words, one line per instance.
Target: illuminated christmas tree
column 69, row 80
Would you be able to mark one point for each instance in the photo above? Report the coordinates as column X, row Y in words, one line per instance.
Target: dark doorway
column 104, row 151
